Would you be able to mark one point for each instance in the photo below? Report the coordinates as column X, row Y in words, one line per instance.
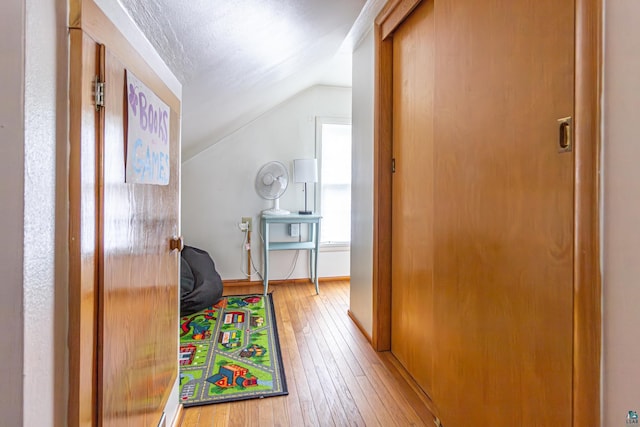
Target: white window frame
column 322, row 120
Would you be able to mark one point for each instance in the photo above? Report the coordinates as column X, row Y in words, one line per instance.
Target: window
column 334, row 157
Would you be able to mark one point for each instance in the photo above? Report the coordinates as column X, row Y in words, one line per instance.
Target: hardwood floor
column 334, row 376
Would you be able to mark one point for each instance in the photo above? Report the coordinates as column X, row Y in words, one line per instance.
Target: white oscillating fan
column 271, row 182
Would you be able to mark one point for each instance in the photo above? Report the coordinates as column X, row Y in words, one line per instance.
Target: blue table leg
column 265, row 245
column 315, row 267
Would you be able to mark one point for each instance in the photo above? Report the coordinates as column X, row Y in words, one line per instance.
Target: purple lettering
column 163, row 127
column 153, row 120
column 133, row 99
column 143, row 111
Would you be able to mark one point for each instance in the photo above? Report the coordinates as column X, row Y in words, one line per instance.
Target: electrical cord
column 242, row 258
column 256, row 270
column 242, row 250
column 294, row 261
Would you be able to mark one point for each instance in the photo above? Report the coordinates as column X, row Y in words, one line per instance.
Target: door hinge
column 393, row 165
column 98, row 93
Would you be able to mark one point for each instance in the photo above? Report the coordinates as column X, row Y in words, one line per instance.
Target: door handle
column 176, row 243
column 565, row 134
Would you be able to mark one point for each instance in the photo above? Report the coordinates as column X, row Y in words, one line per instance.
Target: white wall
column 33, row 301
column 11, row 209
column 621, row 251
column 45, row 315
column 361, row 299
column 218, row 185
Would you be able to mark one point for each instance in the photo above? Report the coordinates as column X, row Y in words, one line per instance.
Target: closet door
column 503, row 222
column 412, row 194
column 482, row 209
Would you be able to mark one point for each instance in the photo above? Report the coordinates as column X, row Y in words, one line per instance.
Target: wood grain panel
column 382, row 153
column 587, row 297
column 504, row 220
column 393, row 13
column 82, row 230
column 139, row 274
column 75, row 13
column 412, row 250
column 587, row 288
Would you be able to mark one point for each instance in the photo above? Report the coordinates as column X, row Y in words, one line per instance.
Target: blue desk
column 312, row 244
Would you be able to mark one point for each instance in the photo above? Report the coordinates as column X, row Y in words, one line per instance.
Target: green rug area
column 231, row 352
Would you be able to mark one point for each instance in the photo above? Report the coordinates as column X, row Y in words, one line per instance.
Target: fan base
column 276, row 212
column 305, row 212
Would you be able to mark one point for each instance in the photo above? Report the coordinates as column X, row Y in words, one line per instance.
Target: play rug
column 231, row 352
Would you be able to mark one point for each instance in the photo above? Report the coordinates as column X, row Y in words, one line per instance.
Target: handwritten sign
column 147, row 135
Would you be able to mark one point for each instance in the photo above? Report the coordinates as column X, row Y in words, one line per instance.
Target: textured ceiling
column 238, row 58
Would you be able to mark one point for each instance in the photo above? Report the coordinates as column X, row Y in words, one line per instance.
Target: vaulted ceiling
column 238, row 58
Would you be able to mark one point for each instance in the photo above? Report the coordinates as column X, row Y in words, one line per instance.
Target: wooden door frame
column 587, row 276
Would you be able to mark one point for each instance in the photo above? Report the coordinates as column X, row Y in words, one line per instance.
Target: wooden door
column 497, row 231
column 123, row 303
column 503, row 227
column 139, row 274
column 412, row 194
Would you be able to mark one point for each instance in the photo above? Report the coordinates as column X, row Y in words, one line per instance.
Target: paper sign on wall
column 147, row 135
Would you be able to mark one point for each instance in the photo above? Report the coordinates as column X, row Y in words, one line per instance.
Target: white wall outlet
column 247, row 220
column 294, row 230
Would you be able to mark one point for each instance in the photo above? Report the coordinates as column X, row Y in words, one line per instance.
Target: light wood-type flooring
column 334, row 376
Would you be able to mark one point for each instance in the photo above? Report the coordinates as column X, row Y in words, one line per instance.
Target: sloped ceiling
column 238, row 58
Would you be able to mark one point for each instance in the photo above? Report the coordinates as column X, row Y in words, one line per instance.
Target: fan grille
column 272, row 180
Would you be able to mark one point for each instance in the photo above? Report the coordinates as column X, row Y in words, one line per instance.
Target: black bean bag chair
column 200, row 283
